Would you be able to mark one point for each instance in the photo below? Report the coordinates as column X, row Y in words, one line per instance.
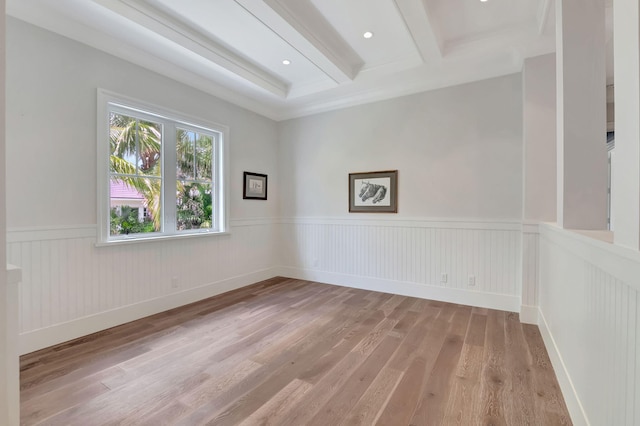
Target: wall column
column 8, row 405
column 626, row 159
column 581, row 103
column 539, row 165
column 539, row 128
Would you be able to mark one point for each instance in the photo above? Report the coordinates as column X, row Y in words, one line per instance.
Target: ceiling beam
column 304, row 28
column 172, row 29
column 423, row 28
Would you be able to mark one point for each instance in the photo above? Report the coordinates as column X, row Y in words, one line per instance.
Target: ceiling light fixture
column 368, row 34
column 286, row 62
column 483, row 1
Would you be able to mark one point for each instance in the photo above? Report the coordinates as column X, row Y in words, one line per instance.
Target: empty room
column 320, row 212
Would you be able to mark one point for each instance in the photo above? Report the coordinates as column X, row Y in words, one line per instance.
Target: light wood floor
column 290, row 352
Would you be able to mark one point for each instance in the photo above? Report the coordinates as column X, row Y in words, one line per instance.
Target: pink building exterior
column 122, row 194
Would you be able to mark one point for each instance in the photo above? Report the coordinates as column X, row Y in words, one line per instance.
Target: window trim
column 106, row 98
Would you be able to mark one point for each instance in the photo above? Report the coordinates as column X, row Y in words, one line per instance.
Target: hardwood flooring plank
column 71, row 373
column 64, row 384
column 418, row 364
column 297, row 337
column 390, row 304
column 110, row 408
column 493, row 374
column 325, row 363
column 416, row 337
column 371, row 404
column 57, row 364
column 549, row 402
column 520, row 408
column 166, row 416
column 334, row 379
column 477, row 330
column 464, row 402
column 275, row 410
column 435, row 394
column 247, row 403
column 212, row 389
column 146, row 407
column 38, row 409
column 402, row 402
column 209, row 345
column 346, row 398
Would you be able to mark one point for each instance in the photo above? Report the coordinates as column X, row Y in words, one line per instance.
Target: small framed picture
column 373, row 192
column 255, row 186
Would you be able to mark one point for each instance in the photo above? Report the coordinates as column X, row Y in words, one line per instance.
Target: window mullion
column 169, row 177
column 137, row 146
column 216, row 181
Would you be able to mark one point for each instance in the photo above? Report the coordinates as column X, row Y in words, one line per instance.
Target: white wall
column 458, row 151
column 459, row 156
column 69, row 286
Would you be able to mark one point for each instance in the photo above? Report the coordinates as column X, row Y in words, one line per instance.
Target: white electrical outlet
column 444, row 278
column 472, row 280
column 175, row 282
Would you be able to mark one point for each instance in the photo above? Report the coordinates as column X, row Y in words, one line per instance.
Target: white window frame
column 108, row 102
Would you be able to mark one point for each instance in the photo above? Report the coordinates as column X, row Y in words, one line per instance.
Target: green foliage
column 132, row 138
column 194, row 209
column 127, row 222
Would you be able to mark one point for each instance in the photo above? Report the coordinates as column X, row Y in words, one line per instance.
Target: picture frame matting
column 254, row 186
column 373, row 192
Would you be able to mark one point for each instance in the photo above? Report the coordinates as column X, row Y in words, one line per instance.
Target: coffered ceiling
column 234, row 49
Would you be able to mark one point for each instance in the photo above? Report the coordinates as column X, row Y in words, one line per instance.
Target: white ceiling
column 234, row 49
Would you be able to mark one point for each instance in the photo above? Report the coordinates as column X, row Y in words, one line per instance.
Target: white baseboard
column 529, row 314
column 443, row 294
column 576, row 411
column 59, row 333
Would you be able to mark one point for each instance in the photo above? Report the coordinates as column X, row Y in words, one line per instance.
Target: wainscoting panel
column 71, row 288
column 589, row 317
column 530, row 265
column 410, row 257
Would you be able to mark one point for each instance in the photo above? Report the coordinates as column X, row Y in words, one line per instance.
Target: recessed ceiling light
column 368, row 34
column 483, row 1
column 286, row 62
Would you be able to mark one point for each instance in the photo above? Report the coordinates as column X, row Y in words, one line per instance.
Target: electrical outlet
column 444, row 278
column 175, row 282
column 472, row 280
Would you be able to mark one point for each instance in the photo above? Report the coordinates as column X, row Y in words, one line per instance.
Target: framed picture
column 255, row 186
column 373, row 192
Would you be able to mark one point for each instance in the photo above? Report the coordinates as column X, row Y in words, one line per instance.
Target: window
column 160, row 174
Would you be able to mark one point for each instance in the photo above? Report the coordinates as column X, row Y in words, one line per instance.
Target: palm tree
column 194, row 159
column 129, row 136
column 193, row 155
